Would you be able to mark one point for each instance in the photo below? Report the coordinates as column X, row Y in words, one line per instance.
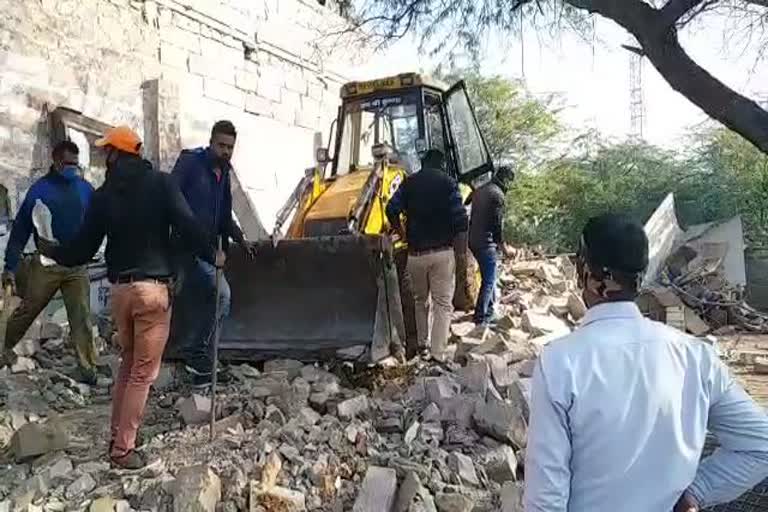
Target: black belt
column 129, row 279
column 433, row 250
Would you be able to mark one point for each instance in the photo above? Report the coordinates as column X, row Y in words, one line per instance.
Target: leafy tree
column 517, row 127
column 655, row 28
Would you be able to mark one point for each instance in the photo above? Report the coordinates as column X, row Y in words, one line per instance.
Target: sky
column 591, row 79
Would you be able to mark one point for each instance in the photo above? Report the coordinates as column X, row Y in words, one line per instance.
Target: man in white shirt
column 620, row 408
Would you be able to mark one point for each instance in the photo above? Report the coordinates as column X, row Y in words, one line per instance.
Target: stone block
column 761, row 365
column 352, row 407
column 501, row 464
column 174, row 56
column 377, row 492
column 223, row 92
column 291, row 367
column 196, row 489
column 458, row 410
column 576, row 306
column 276, row 498
column 30, row 489
column 23, row 365
column 60, row 468
column 246, row 80
column 27, row 347
column 166, row 378
column 453, row 502
column 412, row 496
column 540, row 324
column 309, row 416
column 185, row 23
column 439, row 389
column 195, row 409
column 463, row 467
column 271, row 90
column 503, row 375
column 180, row 39
column 35, row 439
column 83, row 485
column 475, row 377
column 103, row 504
column 512, row 497
column 501, row 420
column 207, row 67
column 51, row 330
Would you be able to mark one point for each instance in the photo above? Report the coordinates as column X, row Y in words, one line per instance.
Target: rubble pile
column 447, row 437
column 694, row 295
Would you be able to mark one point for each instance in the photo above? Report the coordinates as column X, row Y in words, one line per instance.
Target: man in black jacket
column 135, row 209
column 435, row 219
column 485, row 237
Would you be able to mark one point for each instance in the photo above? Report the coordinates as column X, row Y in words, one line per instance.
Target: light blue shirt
column 620, row 410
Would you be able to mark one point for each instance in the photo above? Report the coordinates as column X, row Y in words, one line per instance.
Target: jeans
column 193, row 324
column 142, row 315
column 40, row 285
column 434, row 280
column 487, row 260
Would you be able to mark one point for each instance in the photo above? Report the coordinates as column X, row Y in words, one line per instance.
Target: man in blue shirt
column 203, row 174
column 620, row 408
column 67, row 196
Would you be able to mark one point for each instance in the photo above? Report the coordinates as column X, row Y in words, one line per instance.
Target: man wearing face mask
column 203, row 174
column 135, row 210
column 621, row 407
column 67, row 196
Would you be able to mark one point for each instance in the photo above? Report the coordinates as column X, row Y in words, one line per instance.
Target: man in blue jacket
column 203, row 174
column 67, row 196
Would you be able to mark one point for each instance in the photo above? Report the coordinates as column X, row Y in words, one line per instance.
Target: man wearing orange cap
column 135, row 209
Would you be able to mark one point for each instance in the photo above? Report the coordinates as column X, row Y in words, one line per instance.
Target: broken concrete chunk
column 693, row 322
column 35, row 439
column 196, row 489
column 503, row 375
column 308, row 416
column 761, row 365
column 84, row 484
column 413, row 496
column 501, row 420
column 26, row 347
column 23, row 364
column 271, row 470
column 30, row 489
column 576, row 306
column 276, row 498
column 195, row 410
column 60, row 468
column 501, row 464
column 50, row 330
column 474, row 378
column 377, row 492
column 411, row 433
column 103, row 504
column 352, row 407
column 464, row 468
column 439, row 389
column 453, row 502
column 93, row 467
column 290, row 366
column 431, row 412
column 512, row 497
column 166, row 378
column 274, row 415
column 495, row 344
column 540, row 324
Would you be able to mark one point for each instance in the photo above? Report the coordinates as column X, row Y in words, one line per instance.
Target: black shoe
column 204, row 380
column 86, row 376
column 131, row 460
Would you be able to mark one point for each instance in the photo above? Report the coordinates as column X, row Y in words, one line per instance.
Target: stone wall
column 170, row 68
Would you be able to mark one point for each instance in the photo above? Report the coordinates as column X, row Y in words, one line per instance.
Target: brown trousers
column 142, row 314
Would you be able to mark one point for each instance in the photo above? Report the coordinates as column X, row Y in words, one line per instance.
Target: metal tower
column 636, row 99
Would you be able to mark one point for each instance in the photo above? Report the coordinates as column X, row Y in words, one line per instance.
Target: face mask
column 70, row 170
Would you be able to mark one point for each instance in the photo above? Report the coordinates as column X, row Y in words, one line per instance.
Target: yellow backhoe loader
column 330, row 285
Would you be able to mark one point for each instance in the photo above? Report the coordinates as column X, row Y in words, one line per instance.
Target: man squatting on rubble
column 67, row 196
column 135, row 209
column 436, row 222
column 203, row 175
column 620, row 408
column 486, row 228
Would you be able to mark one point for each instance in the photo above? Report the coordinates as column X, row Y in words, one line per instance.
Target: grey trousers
column 434, row 282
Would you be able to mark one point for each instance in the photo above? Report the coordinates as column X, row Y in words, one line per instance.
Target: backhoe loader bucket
column 308, row 298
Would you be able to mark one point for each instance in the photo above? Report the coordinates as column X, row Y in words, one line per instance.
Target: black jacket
column 135, row 209
column 433, row 208
column 487, row 221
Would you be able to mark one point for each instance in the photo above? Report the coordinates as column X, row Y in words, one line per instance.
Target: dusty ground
column 752, row 345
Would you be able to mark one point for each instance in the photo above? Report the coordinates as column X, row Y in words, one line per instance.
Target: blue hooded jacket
column 66, row 195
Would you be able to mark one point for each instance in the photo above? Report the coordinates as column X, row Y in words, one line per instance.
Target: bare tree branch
column 676, row 9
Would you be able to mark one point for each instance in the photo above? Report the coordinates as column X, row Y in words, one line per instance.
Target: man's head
column 65, row 154
column 504, row 175
column 612, row 258
column 433, row 159
column 119, row 140
column 223, row 137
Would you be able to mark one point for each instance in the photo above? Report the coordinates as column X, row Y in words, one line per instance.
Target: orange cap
column 122, row 138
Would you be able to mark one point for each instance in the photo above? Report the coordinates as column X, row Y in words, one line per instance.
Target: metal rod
column 216, row 335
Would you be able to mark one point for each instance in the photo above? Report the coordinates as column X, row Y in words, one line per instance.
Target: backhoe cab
column 330, row 282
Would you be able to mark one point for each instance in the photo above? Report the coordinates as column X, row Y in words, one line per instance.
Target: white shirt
column 620, row 410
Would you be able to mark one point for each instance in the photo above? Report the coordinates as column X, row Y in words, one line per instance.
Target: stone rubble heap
column 292, row 437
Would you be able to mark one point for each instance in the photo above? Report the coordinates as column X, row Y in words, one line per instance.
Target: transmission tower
column 636, row 99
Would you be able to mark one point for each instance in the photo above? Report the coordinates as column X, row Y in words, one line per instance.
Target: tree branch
column 676, row 9
column 634, row 49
